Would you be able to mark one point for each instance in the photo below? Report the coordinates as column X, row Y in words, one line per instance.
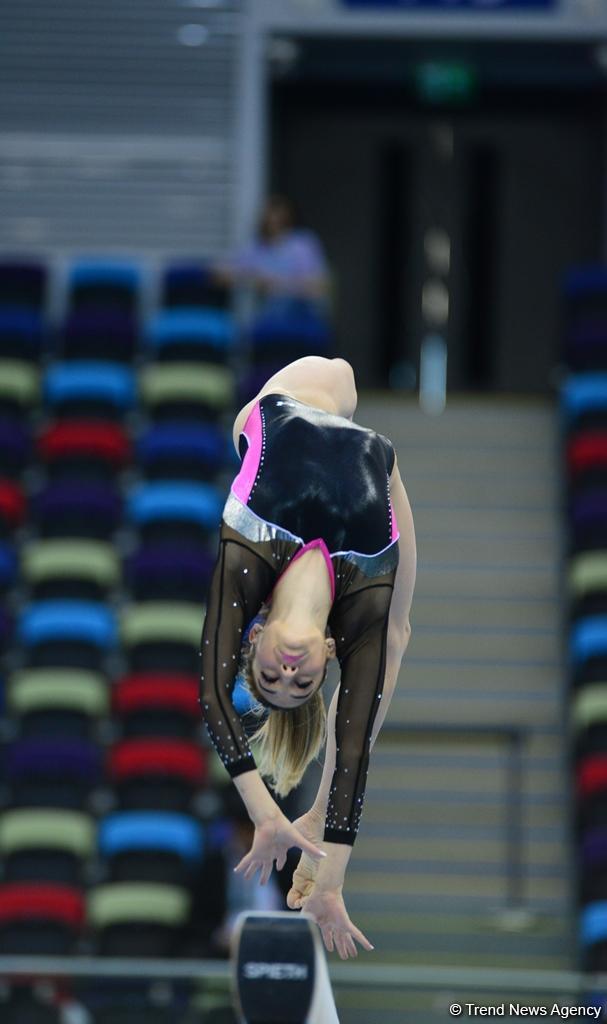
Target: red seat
column 176, row 691
column 158, row 757
column 587, row 450
column 12, row 503
column 592, row 775
column 22, row 901
column 85, row 437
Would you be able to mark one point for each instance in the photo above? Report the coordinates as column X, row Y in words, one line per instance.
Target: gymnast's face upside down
column 289, row 665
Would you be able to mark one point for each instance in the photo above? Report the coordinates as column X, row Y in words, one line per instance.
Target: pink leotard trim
column 395, row 531
column 252, row 430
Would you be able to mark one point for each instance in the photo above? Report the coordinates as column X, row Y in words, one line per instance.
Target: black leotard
column 307, row 478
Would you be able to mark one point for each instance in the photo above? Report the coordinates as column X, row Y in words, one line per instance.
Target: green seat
column 589, row 706
column 73, row 557
column 130, row 902
column 43, row 828
column 211, row 385
column 33, row 689
column 19, row 381
column 177, row 621
column 587, row 571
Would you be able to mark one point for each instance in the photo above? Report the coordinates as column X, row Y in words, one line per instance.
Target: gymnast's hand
column 328, row 909
column 273, row 838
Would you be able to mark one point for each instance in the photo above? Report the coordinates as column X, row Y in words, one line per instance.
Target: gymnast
column 316, row 560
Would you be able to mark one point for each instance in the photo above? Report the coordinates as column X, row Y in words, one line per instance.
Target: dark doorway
column 449, row 214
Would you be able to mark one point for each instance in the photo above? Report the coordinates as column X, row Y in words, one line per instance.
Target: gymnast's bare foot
column 311, row 825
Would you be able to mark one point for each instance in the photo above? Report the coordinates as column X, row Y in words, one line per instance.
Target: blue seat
column 22, row 333
column 90, row 380
column 593, row 923
column 200, row 503
column 196, row 441
column 578, row 281
column 206, row 327
column 588, row 638
column 8, row 565
column 106, row 272
column 304, row 327
column 66, row 619
column 583, row 392
column 151, row 830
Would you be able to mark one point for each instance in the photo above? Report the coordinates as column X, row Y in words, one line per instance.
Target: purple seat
column 171, row 571
column 594, row 848
column 56, row 757
column 77, row 509
column 100, row 334
column 589, row 508
column 15, row 446
column 6, row 628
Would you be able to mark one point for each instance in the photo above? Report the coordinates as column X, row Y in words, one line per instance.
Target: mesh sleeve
column 360, row 628
column 240, row 583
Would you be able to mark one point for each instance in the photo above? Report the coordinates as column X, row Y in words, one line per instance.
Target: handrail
column 395, row 976
column 514, row 734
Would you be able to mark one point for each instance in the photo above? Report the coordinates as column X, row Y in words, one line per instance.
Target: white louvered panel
column 135, row 200
column 116, row 66
column 113, row 134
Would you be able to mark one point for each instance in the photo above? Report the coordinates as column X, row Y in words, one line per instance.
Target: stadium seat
column 50, row 702
column 190, row 451
column 157, row 704
column 83, row 449
column 99, row 334
column 22, row 334
column 137, row 918
column 186, row 391
column 163, row 635
column 52, row 772
column 70, row 568
column 107, row 284
column 19, row 387
column 89, row 388
column 40, row 917
column 151, row 846
column 173, row 510
column 24, row 283
column 15, row 446
column 156, row 773
column 73, row 508
column 46, row 844
column 196, row 335
column 12, row 506
column 169, row 571
column 190, row 284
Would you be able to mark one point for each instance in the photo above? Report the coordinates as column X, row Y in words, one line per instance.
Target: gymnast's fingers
column 356, row 932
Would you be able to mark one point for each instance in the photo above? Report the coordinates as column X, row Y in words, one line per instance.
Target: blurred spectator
column 285, row 264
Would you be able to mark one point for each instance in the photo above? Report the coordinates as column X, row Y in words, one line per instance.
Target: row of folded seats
column 113, row 474
column 583, row 419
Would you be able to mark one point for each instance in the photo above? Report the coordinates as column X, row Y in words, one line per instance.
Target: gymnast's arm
column 240, row 582
column 399, row 634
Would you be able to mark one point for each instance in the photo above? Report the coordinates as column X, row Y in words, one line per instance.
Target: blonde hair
column 290, row 738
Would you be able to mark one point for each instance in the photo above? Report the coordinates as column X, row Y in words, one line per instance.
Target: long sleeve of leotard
column 359, row 625
column 240, row 583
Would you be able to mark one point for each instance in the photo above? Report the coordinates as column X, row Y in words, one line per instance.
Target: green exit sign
column 445, row 81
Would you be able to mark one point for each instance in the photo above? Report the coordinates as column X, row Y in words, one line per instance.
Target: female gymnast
column 317, row 555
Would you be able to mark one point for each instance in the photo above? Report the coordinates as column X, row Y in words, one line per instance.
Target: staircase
column 428, row 880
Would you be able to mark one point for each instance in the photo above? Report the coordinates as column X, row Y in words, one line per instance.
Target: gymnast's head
column 284, row 672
